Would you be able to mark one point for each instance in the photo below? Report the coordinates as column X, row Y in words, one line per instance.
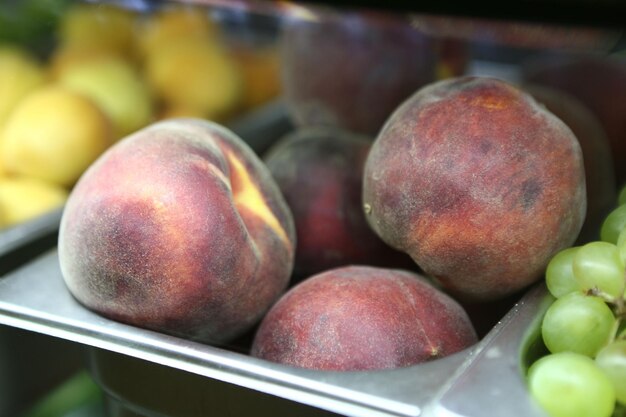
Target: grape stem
column 618, row 305
column 619, row 309
column 608, row 298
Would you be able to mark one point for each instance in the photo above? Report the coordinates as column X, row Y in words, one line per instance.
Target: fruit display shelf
column 149, row 373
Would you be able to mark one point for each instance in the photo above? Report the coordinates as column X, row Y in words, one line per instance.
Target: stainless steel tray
column 485, row 380
column 19, row 235
column 20, row 243
column 32, row 365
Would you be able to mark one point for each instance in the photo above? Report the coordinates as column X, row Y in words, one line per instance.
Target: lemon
column 195, row 73
column 170, row 24
column 66, row 57
column 178, row 111
column 99, row 27
column 54, row 134
column 260, row 68
column 117, row 87
column 23, row 199
column 20, row 73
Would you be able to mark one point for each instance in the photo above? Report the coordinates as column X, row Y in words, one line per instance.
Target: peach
column 600, row 84
column 319, row 171
column 388, row 60
column 362, row 318
column 596, row 149
column 479, row 183
column 181, row 229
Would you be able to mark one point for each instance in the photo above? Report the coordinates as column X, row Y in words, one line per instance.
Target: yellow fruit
column 54, row 134
column 117, row 87
column 66, row 57
column 20, row 73
column 174, row 112
column 23, row 199
column 98, row 27
column 196, row 74
column 260, row 68
column 170, row 24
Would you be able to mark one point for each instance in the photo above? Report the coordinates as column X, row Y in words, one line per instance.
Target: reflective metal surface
column 482, row 381
column 14, row 237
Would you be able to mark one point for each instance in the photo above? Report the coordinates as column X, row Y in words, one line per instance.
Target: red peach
column 597, row 157
column 320, row 171
column 362, row 318
column 178, row 228
column 478, row 183
column 351, row 72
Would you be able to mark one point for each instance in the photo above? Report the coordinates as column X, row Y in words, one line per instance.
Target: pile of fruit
column 110, row 72
column 181, row 228
column 584, row 329
column 366, row 239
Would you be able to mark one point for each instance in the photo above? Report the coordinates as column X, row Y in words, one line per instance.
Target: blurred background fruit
column 260, row 69
column 65, row 56
column 170, row 25
column 20, row 73
column 23, row 198
column 54, row 134
column 117, row 87
column 98, row 27
column 195, row 73
column 77, row 76
column 325, row 85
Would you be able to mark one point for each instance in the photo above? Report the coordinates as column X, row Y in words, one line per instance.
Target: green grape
column 560, row 274
column 577, row 323
column 612, row 360
column 571, row 385
column 613, row 224
column 621, row 245
column 599, row 265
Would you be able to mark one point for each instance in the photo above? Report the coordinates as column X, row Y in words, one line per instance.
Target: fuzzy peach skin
column 362, row 318
column 320, row 173
column 597, row 155
column 181, row 229
column 478, row 183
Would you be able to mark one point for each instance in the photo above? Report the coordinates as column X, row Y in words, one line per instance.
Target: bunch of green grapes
column 585, row 327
